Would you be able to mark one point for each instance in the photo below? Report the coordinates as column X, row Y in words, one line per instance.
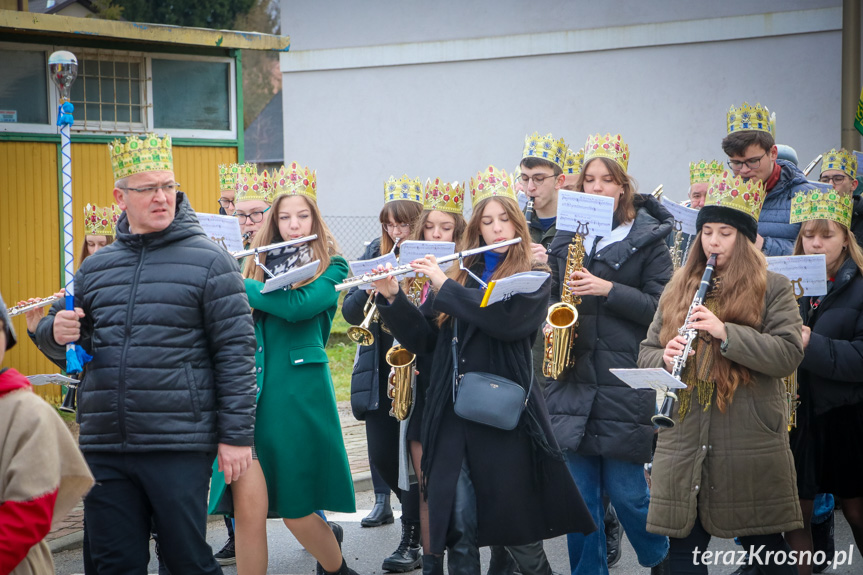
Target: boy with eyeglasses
column 752, row 153
column 541, row 177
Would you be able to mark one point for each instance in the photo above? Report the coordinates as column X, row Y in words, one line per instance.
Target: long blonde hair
column 625, row 211
column 323, row 248
column 819, row 227
column 518, row 258
column 743, row 283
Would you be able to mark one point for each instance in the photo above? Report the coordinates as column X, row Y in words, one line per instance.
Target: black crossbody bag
column 487, row 398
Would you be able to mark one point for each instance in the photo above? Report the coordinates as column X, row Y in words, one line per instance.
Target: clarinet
column 663, row 419
column 528, row 209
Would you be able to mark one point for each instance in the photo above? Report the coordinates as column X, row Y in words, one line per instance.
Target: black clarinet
column 528, row 210
column 663, row 419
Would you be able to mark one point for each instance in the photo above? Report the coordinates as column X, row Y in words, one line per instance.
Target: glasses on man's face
column 149, row 191
column 254, row 217
column 834, row 180
column 226, row 203
column 538, row 179
column 751, row 163
column 401, row 227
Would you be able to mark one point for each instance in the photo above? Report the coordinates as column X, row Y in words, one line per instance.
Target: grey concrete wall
column 443, row 107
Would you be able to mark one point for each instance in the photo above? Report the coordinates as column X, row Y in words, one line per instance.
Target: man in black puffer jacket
column 164, row 313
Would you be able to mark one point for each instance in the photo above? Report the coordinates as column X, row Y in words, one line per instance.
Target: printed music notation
column 224, row 230
column 685, row 216
column 362, row 267
column 808, row 274
column 650, row 378
column 575, row 209
column 413, row 250
column 291, row 277
column 504, row 289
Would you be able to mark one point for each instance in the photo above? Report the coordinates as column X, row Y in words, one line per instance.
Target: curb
column 362, row 482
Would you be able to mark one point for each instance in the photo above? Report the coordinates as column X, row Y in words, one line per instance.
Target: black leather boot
column 432, row 564
column 823, row 540
column 408, row 556
column 664, row 568
column 501, row 562
column 381, row 513
column 343, row 570
column 340, row 535
column 613, row 532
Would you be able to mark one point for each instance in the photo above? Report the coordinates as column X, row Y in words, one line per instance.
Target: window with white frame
column 119, row 92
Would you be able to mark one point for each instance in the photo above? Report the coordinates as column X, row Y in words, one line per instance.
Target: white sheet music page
column 291, row 277
column 808, row 274
column 361, row 267
column 650, row 378
column 575, row 210
column 46, row 378
column 686, row 216
column 525, row 282
column 413, row 250
column 224, row 230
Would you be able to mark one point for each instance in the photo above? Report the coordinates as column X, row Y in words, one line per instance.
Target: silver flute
column 406, row 268
column 45, row 301
column 263, row 249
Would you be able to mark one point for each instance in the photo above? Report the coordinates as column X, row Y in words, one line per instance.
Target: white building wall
column 373, row 89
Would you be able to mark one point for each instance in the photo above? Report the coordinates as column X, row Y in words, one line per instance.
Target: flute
column 263, row 249
column 42, row 302
column 405, row 269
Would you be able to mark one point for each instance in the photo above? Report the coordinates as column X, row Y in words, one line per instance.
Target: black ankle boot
column 664, row 568
column 408, row 556
column 381, row 513
column 343, row 570
column 501, row 562
column 340, row 535
column 432, row 564
column 612, row 536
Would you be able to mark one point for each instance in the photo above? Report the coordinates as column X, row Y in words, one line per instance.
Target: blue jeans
column 625, row 485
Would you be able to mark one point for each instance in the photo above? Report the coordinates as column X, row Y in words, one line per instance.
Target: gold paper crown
column 404, row 188
column 573, row 161
column 729, row 192
column 748, row 118
column 701, row 172
column 545, row 148
column 137, row 155
column 294, row 181
column 443, row 196
column 100, row 221
column 491, row 183
column 840, row 160
column 607, row 146
column 228, row 174
column 254, row 186
column 822, row 202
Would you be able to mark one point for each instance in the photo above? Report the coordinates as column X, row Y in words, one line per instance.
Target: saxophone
column 677, row 256
column 563, row 316
column 400, row 383
column 792, row 403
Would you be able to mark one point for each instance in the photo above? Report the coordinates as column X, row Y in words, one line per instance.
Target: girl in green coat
column 299, row 460
column 725, row 468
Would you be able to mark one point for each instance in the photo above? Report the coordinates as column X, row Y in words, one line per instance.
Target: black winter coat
column 857, row 220
column 830, row 374
column 369, row 377
column 593, row 412
column 170, row 329
column 524, row 492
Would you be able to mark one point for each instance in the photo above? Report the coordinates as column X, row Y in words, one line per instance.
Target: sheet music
column 808, row 274
column 686, row 216
column 415, row 249
column 522, row 200
column 224, row 230
column 650, row 378
column 289, row 278
column 525, row 282
column 577, row 207
column 361, row 267
column 46, row 378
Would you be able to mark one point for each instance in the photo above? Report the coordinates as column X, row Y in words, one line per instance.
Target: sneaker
column 227, row 556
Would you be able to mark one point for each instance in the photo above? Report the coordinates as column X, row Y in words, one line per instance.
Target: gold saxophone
column 677, row 259
column 563, row 316
column 791, row 398
column 400, row 383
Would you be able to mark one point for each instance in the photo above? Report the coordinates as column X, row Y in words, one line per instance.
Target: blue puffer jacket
column 773, row 224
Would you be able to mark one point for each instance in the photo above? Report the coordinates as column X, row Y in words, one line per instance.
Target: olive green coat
column 735, row 469
column 298, row 437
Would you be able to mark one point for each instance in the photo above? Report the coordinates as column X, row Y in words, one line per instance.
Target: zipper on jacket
column 121, row 385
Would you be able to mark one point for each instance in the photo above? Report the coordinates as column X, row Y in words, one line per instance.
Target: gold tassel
column 696, row 374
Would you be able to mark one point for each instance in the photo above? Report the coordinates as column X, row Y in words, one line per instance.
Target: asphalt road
column 365, row 549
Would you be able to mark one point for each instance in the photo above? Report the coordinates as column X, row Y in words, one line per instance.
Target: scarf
column 282, row 260
column 696, row 373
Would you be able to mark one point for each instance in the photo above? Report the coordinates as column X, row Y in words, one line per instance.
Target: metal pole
column 850, row 72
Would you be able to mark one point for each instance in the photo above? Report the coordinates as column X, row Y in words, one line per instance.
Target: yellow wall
column 29, row 220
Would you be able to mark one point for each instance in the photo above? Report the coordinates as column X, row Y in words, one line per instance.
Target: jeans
column 626, row 487
column 134, row 489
